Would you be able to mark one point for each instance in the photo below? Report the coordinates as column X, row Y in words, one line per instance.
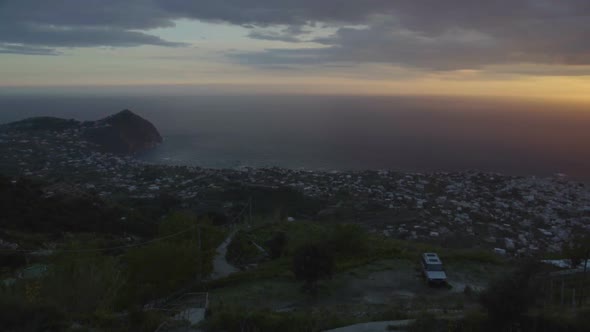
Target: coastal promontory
column 123, row 133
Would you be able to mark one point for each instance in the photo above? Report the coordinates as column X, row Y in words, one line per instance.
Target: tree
column 577, row 250
column 159, row 268
column 82, row 282
column 508, row 298
column 277, row 244
column 348, row 240
column 311, row 263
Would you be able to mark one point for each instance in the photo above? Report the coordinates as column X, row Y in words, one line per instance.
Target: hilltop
column 122, row 133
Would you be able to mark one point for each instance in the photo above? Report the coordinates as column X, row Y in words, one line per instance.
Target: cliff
column 122, row 133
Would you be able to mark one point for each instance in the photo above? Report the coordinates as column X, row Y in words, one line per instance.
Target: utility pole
column 562, row 291
column 200, row 253
column 584, row 278
column 250, row 211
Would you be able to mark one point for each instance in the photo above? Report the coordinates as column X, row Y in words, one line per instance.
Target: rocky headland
column 123, row 133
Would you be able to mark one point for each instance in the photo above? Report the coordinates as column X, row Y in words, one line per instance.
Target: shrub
column 427, row 322
column 12, row 260
column 230, row 318
column 159, row 268
column 468, row 291
column 311, row 263
column 348, row 240
column 277, row 245
column 18, row 315
column 156, row 269
column 140, row 320
column 82, row 283
column 241, row 251
column 507, row 299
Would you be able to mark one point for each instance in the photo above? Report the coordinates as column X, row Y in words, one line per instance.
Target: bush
column 12, row 260
column 348, row 240
column 229, row 318
column 25, row 207
column 240, row 319
column 161, row 267
column 474, row 321
column 82, row 283
column 427, row 322
column 277, row 245
column 140, row 320
column 18, row 315
column 241, row 251
column 311, row 263
column 507, row 299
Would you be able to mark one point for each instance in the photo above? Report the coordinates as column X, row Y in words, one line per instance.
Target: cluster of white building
column 514, row 214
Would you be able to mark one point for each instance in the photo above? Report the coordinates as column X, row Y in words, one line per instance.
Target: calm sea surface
column 399, row 133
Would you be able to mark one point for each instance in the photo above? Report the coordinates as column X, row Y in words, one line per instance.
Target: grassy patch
column 352, row 247
column 236, row 318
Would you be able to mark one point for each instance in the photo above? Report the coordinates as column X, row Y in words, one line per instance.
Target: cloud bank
column 428, row 34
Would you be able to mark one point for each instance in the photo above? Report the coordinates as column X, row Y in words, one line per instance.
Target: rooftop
column 432, row 258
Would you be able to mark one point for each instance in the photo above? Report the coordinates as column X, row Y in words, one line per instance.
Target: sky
column 536, row 49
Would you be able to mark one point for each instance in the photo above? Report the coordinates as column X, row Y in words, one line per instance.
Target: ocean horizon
column 411, row 134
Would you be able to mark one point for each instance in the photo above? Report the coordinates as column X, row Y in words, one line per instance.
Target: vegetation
column 311, row 263
column 157, row 257
column 577, row 250
column 232, row 318
column 277, row 245
column 94, row 281
column 278, row 202
column 85, row 284
column 32, row 206
column 509, row 298
column 162, row 267
column 42, row 123
column 242, row 250
column 18, row 314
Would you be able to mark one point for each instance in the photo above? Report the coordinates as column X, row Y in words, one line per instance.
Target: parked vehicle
column 433, row 270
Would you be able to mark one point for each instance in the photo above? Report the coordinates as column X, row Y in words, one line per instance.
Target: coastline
column 522, row 215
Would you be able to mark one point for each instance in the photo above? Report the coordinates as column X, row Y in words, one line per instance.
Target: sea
column 409, row 134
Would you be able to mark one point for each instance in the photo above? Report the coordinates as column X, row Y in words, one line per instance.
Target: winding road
column 221, row 267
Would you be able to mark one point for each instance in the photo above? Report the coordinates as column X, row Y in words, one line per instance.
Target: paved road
column 221, row 267
column 373, row 326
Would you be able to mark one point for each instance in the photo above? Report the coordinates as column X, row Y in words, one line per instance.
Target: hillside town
column 511, row 215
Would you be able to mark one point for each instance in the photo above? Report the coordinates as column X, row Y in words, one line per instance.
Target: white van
column 432, row 269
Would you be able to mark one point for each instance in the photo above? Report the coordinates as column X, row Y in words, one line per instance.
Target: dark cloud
column 290, row 34
column 272, row 35
column 433, row 34
column 453, row 34
column 47, row 35
column 387, row 42
column 272, row 12
column 116, row 14
column 26, row 50
column 46, row 25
